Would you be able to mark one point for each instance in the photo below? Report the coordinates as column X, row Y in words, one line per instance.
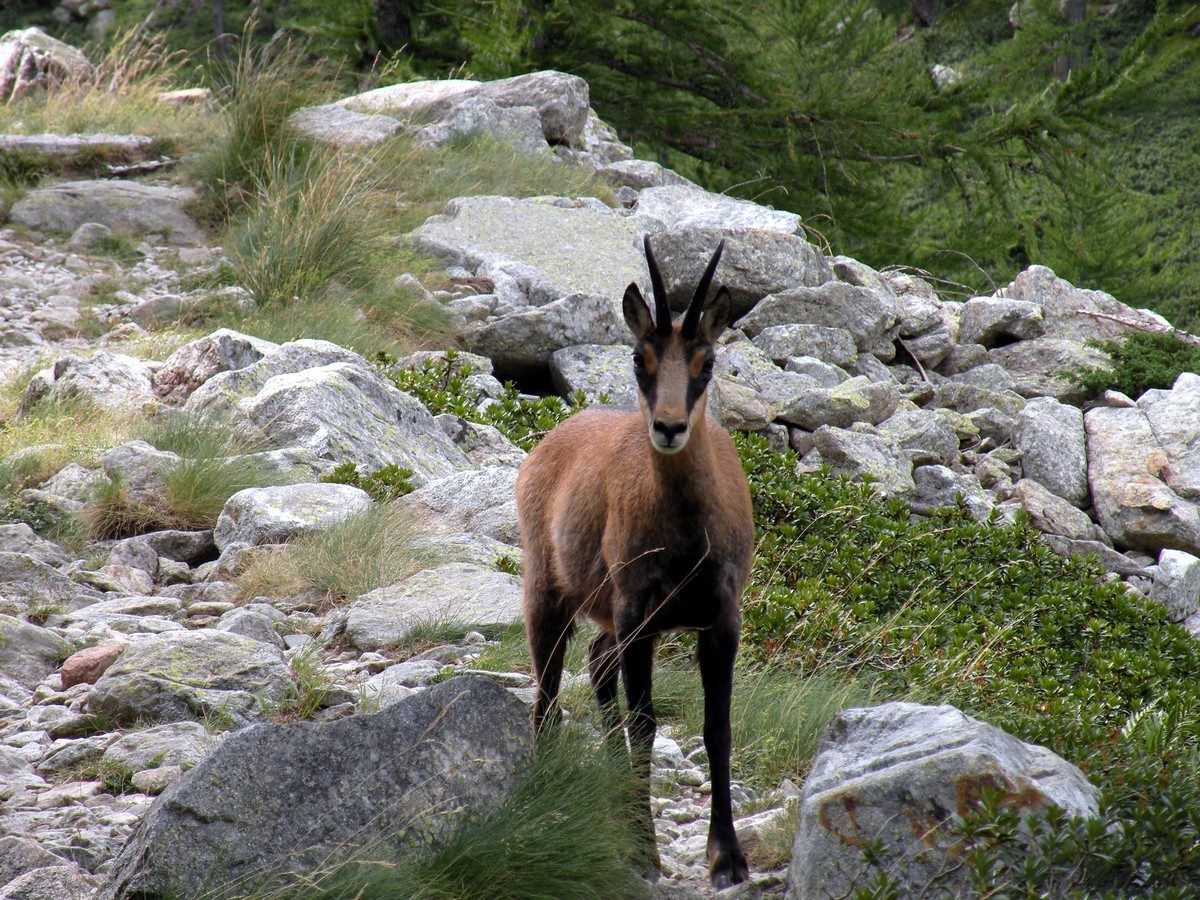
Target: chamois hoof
column 727, row 869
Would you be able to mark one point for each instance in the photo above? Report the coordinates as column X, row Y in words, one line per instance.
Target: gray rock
column 20, row 538
column 639, row 174
column 939, row 487
column 963, row 357
column 1061, row 304
column 220, row 393
column 28, row 582
column 403, row 100
column 1177, row 584
column 181, row 744
column 1133, row 503
column 826, row 374
column 864, row 455
column 460, row 593
column 277, row 802
column 140, row 468
column 122, row 613
column 1050, row 438
column 123, row 206
column 756, row 262
column 194, row 363
column 552, row 250
column 108, row 380
column 997, row 320
column 924, row 435
column 1038, row 367
column 31, row 61
column 62, row 882
column 967, row 398
column 560, row 100
column 520, row 126
column 866, row 314
column 738, row 407
column 528, row 338
column 484, row 445
column 905, row 776
column 988, row 375
column 19, row 855
column 1051, row 513
column 188, row 675
column 856, row 400
column 1174, row 417
column 1108, row 558
column 88, row 236
column 29, row 653
column 333, row 124
column 832, row 345
column 481, row 502
column 347, row 412
column 595, row 370
column 252, row 624
column 687, row 206
column 191, row 547
column 273, row 515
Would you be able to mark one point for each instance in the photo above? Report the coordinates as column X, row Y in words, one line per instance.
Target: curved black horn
column 662, row 312
column 691, row 319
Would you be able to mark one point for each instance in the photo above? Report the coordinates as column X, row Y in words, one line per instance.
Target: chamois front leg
column 548, row 629
column 637, row 661
column 717, row 648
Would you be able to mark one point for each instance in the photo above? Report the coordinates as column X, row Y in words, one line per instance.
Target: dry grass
column 370, row 550
column 120, row 97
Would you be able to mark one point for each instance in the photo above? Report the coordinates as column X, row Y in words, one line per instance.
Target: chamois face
column 673, row 363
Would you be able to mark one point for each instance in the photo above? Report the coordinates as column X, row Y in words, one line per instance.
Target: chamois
column 642, row 522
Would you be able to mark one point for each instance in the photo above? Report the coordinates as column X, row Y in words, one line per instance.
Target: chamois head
column 673, row 362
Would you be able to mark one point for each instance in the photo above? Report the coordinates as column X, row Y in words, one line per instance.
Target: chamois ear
column 637, row 313
column 717, row 314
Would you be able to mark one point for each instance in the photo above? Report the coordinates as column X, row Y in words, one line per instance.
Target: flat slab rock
column 123, row 206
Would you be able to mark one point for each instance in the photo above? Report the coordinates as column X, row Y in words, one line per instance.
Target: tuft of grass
column 310, row 688
column 258, row 89
column 563, row 833
column 369, row 550
column 115, row 513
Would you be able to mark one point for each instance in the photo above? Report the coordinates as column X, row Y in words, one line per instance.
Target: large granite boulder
column 273, row 515
column 901, row 778
column 276, row 803
column 31, row 61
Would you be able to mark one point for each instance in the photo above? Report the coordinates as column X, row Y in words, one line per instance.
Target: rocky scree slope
column 136, row 659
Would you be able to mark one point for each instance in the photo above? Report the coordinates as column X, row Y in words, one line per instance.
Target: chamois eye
column 708, row 367
column 639, row 362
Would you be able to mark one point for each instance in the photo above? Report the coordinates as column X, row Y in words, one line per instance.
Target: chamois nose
column 668, row 432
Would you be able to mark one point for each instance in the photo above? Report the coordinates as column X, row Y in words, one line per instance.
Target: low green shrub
column 389, row 483
column 1142, row 361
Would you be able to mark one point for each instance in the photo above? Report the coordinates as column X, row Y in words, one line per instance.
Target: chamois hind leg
column 604, row 669
column 717, row 648
column 548, row 629
column 637, row 662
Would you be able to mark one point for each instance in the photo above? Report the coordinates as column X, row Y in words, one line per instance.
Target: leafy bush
column 442, row 386
column 1144, row 360
column 389, row 483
